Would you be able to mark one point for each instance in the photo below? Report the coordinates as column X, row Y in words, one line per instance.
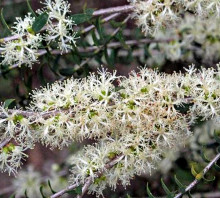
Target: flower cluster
column 60, row 25
column 25, row 49
column 151, row 15
column 193, row 39
column 29, row 181
column 137, row 120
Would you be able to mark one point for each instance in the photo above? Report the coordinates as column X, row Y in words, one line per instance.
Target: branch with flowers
column 137, row 119
column 129, row 121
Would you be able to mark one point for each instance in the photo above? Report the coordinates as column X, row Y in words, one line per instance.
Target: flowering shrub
column 24, row 49
column 127, row 124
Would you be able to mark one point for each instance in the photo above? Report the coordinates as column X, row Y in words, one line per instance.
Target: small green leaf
column 67, row 71
column 180, row 185
column 8, row 102
column 212, row 178
column 149, row 192
column 76, row 191
column 100, row 29
column 51, row 189
column 196, row 170
column 41, row 192
column 95, row 39
column 119, row 36
column 217, row 136
column 30, row 8
column 204, row 156
column 83, row 17
column 40, row 22
column 217, row 167
column 4, row 23
column 189, row 194
column 12, row 196
column 25, row 193
column 168, row 192
column 110, row 59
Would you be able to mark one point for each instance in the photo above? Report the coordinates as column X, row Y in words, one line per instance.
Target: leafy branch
column 89, row 180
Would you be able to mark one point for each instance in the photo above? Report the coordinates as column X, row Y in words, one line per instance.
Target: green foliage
column 40, row 22
column 51, row 189
column 41, row 192
column 179, row 184
column 4, row 23
column 83, row 17
column 166, row 189
column 30, row 8
column 8, row 103
column 76, row 191
column 149, row 192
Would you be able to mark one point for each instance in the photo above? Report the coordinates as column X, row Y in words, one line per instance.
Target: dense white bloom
column 28, row 181
column 189, row 40
column 24, row 50
column 152, row 15
column 60, row 25
column 10, row 158
column 139, row 119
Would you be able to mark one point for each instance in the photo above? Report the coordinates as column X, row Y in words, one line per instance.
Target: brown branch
column 113, row 10
column 90, row 179
column 121, row 9
column 4, row 142
column 196, row 181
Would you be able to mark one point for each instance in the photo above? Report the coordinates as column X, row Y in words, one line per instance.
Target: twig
column 5, row 142
column 90, row 179
column 113, row 10
column 43, row 52
column 196, row 181
column 106, row 19
column 125, row 8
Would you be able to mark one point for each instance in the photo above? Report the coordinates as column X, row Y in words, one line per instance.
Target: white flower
column 28, row 181
column 10, row 158
column 23, row 50
column 60, row 25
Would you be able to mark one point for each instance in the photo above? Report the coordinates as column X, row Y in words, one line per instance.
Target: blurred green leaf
column 67, row 71
column 76, row 191
column 179, row 184
column 196, row 170
column 30, row 8
column 204, row 156
column 95, row 38
column 217, row 136
column 4, row 23
column 217, row 167
column 8, row 102
column 110, row 59
column 25, row 193
column 100, row 30
column 41, row 192
column 168, row 192
column 51, row 189
column 149, row 192
column 83, row 17
column 120, row 37
column 40, row 22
